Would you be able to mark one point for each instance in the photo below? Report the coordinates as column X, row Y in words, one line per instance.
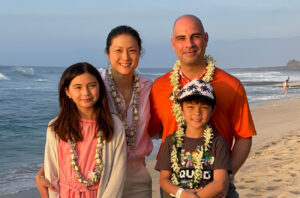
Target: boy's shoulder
column 218, row 137
column 169, row 138
column 219, row 142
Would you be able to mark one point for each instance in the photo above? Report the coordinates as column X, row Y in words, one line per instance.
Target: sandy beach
column 272, row 169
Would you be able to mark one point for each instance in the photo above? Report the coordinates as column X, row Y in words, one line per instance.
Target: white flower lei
column 174, row 80
column 95, row 175
column 179, row 134
column 199, row 160
column 130, row 131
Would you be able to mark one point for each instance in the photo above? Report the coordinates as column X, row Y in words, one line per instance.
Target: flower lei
column 130, row 131
column 200, row 150
column 179, row 134
column 199, row 160
column 174, row 80
column 94, row 176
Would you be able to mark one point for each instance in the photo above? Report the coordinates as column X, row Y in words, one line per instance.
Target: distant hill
column 293, row 64
column 244, row 53
column 255, row 52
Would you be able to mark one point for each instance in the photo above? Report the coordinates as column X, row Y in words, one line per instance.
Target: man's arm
column 240, row 152
column 155, row 127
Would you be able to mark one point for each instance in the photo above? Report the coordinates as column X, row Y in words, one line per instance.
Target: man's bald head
column 188, row 17
column 189, row 41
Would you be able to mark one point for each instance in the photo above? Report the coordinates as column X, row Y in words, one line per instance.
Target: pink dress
column 69, row 186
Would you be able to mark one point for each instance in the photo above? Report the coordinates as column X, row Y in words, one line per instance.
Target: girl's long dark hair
column 66, row 125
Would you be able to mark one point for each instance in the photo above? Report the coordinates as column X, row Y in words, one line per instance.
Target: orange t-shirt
column 232, row 117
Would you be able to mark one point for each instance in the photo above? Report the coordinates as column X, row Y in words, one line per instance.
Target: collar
column 186, row 79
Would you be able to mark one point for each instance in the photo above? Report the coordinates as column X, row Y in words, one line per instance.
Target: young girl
column 85, row 152
column 128, row 94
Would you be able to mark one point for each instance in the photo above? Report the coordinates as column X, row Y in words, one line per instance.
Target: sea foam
column 41, row 80
column 25, row 71
column 3, row 77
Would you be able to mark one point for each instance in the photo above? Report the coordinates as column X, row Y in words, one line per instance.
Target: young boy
column 194, row 161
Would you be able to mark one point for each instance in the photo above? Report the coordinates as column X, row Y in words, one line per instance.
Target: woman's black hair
column 119, row 30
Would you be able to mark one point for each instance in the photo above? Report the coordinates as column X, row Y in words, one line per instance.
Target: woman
column 128, row 96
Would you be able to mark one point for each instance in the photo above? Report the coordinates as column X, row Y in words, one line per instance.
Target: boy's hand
column 221, row 195
column 198, row 189
column 188, row 193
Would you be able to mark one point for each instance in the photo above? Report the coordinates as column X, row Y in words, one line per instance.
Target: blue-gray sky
column 61, row 32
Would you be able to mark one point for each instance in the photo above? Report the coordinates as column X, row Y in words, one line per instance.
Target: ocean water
column 28, row 100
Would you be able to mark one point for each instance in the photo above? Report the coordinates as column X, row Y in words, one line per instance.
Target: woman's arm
column 42, row 184
column 218, row 185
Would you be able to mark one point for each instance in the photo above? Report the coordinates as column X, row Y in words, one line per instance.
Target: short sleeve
column 155, row 124
column 163, row 161
column 241, row 116
column 222, row 159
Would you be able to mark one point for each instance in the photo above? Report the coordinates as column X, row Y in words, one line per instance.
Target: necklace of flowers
column 174, row 81
column 198, row 157
column 130, row 131
column 95, row 175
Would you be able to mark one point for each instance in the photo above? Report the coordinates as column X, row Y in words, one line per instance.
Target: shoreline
column 291, row 84
column 268, row 170
column 29, row 193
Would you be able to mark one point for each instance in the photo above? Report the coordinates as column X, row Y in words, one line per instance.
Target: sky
column 61, row 32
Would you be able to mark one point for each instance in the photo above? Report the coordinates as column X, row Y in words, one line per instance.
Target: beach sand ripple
column 272, row 170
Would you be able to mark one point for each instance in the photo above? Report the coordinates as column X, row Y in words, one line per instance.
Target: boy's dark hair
column 199, row 99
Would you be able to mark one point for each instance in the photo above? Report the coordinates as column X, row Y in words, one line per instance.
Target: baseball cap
column 197, row 88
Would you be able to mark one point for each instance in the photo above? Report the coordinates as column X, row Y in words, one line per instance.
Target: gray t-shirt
column 216, row 158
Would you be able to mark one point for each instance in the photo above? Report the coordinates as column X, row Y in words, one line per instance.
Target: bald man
column 232, row 118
